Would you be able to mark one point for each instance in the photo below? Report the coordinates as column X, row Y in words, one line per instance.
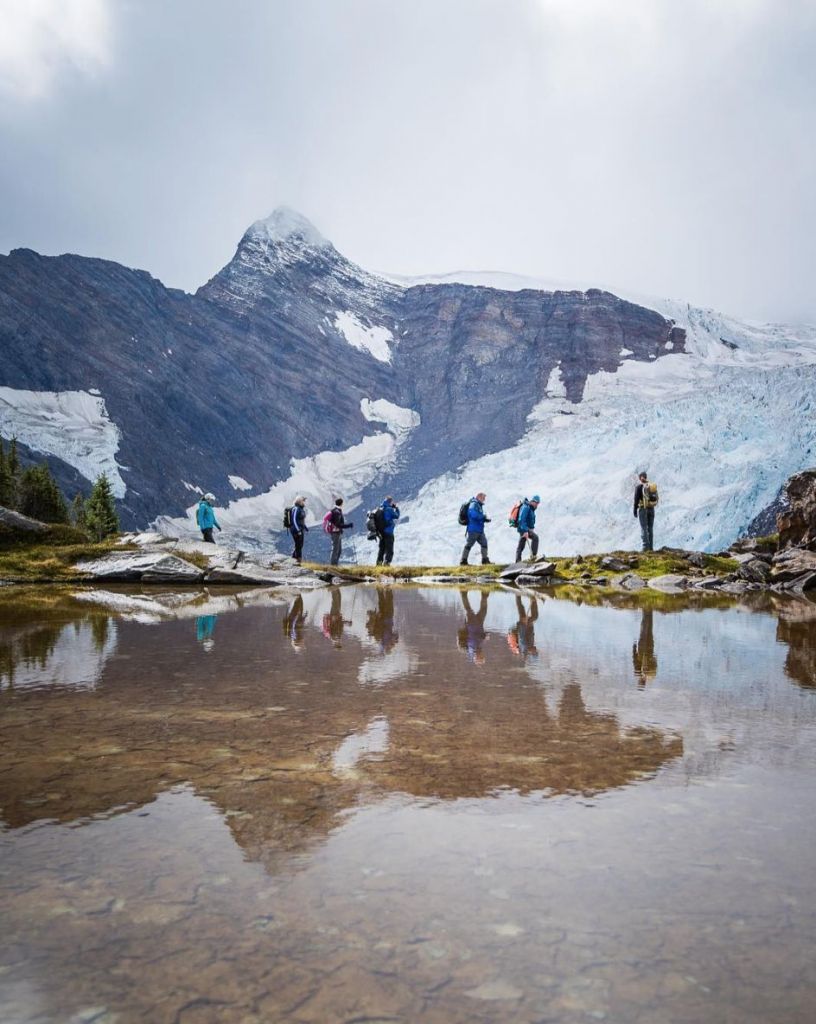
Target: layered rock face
column 291, row 350
column 796, row 521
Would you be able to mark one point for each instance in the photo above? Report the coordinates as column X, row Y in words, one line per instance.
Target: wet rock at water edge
column 526, row 569
column 802, row 584
column 631, row 581
column 709, row 583
column 140, row 565
column 670, row 583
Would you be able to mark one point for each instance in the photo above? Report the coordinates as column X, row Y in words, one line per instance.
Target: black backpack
column 287, row 518
column 375, row 521
column 463, row 513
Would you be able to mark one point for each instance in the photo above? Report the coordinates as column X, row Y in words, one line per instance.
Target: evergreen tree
column 9, row 475
column 5, row 478
column 40, row 498
column 100, row 510
column 79, row 515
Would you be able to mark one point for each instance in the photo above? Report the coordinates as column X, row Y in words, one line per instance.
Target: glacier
column 719, row 428
column 72, row 425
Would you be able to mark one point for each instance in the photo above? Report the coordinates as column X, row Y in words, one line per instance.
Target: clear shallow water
column 376, row 805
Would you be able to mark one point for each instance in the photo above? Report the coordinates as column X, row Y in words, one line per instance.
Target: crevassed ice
column 72, row 425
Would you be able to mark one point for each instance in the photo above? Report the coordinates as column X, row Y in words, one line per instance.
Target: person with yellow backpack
column 646, row 499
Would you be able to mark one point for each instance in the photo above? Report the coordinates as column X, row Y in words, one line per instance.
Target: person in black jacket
column 644, row 512
column 298, row 529
column 338, row 524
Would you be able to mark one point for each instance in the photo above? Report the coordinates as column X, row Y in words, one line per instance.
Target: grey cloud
column 668, row 149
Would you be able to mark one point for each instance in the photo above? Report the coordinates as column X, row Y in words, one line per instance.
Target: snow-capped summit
column 287, row 225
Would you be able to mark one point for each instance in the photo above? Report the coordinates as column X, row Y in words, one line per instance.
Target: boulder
column 796, row 522
column 614, row 564
column 671, row 583
column 709, row 582
column 631, row 581
column 697, row 559
column 736, row 587
column 527, row 569
column 527, row 579
column 16, row 521
column 150, row 566
column 754, row 571
column 792, row 563
column 753, row 545
column 802, row 584
column 247, row 572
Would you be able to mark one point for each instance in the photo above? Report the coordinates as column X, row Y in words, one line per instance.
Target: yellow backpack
column 650, row 495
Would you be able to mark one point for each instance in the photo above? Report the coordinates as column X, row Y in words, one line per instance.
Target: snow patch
column 556, row 388
column 74, row 426
column 239, row 484
column 624, row 352
column 284, row 225
column 397, row 419
column 373, row 340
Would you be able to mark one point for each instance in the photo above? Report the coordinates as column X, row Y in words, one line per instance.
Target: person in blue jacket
column 205, row 518
column 526, row 527
column 390, row 515
column 475, row 529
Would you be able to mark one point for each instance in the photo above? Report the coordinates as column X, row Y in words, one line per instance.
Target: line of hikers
column 381, row 521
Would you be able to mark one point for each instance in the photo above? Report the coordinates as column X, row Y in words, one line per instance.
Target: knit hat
column 535, row 498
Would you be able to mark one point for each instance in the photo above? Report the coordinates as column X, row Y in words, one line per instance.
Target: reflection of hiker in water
column 643, row 652
column 472, row 635
column 333, row 621
column 205, row 627
column 293, row 623
column 521, row 638
column 380, row 621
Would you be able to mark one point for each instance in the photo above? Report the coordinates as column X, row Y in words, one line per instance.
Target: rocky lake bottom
column 375, row 804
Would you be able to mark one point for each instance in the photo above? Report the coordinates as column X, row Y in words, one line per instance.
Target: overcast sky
column 664, row 146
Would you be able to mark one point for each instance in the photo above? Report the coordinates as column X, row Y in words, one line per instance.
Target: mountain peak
column 287, row 225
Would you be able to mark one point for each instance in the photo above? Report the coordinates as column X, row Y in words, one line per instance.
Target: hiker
column 645, row 501
column 390, row 515
column 476, row 520
column 205, row 518
column 526, row 527
column 472, row 635
column 334, row 522
column 298, row 527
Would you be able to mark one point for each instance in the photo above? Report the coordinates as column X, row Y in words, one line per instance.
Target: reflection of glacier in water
column 61, row 655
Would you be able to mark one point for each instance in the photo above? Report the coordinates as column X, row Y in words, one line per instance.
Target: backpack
column 375, row 521
column 650, row 495
column 287, row 518
column 463, row 513
column 513, row 515
column 328, row 522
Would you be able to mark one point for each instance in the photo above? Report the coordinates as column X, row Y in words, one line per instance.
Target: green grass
column 645, row 564
column 48, row 560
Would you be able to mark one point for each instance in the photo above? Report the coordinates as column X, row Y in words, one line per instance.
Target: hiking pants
column 297, row 536
column 386, row 550
column 646, row 518
column 522, row 543
column 470, row 540
column 207, row 534
column 337, row 547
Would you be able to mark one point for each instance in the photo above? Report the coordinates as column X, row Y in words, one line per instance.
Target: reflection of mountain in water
column 284, row 739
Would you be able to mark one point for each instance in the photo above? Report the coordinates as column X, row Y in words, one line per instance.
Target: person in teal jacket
column 526, row 527
column 205, row 518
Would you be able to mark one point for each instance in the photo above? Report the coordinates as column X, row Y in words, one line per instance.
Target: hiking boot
column 463, row 563
column 486, row 561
